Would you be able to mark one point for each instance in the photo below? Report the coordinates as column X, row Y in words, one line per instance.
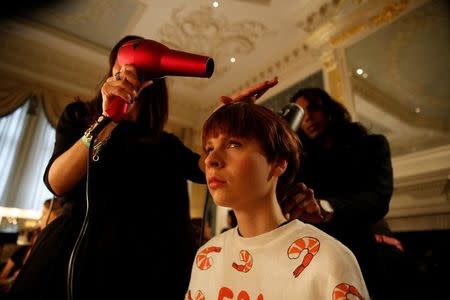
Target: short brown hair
column 276, row 138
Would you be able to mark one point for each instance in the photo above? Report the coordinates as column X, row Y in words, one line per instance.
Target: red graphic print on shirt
column 310, row 244
column 198, row 296
column 341, row 291
column 227, row 293
column 203, row 261
column 247, row 258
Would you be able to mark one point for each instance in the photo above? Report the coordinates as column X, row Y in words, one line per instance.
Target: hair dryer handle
column 117, row 109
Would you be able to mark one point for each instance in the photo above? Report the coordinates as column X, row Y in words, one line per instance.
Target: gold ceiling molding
column 388, row 13
column 324, row 14
column 411, row 26
column 294, row 56
column 204, row 31
column 329, row 60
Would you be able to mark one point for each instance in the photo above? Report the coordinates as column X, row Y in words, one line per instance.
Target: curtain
column 26, row 144
column 14, row 93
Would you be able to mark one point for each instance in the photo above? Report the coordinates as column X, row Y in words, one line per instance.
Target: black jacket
column 356, row 177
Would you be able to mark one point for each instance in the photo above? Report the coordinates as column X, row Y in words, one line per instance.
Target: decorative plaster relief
column 290, row 59
column 204, row 31
column 324, row 14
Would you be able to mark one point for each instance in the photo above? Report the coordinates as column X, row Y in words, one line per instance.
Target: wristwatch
column 327, row 209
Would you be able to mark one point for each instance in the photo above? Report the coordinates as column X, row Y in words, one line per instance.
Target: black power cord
column 52, row 201
column 70, row 272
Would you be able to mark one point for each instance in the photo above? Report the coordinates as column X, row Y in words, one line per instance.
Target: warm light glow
column 233, row 59
column 359, row 71
column 20, row 213
column 365, row 75
column 418, row 110
column 215, row 4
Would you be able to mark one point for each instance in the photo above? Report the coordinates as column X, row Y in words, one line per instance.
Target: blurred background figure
column 51, row 209
column 17, row 259
column 207, row 230
column 351, row 175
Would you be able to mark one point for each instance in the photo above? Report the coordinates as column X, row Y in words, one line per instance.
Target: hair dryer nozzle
column 292, row 113
column 156, row 60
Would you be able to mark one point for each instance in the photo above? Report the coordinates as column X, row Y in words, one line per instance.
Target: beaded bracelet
column 86, row 141
column 87, row 137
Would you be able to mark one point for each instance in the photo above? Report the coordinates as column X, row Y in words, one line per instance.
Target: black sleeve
column 370, row 201
column 187, row 159
column 70, row 128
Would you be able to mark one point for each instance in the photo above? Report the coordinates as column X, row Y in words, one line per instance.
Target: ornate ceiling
column 62, row 47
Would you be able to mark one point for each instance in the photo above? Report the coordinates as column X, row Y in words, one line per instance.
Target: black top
column 356, row 177
column 139, row 237
column 17, row 258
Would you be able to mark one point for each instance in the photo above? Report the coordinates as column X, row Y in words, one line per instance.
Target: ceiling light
column 359, row 71
column 233, row 60
column 418, row 110
column 365, row 75
column 216, row 4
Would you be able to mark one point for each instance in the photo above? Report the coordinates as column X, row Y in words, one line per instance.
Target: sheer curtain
column 26, row 144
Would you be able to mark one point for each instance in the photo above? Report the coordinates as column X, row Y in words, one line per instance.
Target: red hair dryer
column 155, row 60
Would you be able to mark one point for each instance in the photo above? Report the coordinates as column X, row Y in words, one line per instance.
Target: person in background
column 251, row 159
column 51, row 209
column 138, row 178
column 231, row 221
column 207, row 231
column 350, row 174
column 15, row 262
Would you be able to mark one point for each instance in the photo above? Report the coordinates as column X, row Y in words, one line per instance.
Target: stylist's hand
column 300, row 203
column 250, row 94
column 124, row 84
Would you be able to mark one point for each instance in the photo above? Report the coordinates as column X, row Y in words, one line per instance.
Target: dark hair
column 332, row 108
column 248, row 120
column 339, row 117
column 154, row 99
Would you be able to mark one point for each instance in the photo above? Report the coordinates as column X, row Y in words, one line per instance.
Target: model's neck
column 259, row 220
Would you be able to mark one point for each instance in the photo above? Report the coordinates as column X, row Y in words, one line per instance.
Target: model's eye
column 234, row 144
column 208, row 149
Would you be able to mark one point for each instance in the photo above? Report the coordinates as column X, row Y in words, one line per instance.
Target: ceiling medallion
column 204, row 31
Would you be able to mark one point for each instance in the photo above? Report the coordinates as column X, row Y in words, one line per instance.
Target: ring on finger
column 117, row 76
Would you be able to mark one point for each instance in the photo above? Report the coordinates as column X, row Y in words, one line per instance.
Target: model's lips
column 214, row 182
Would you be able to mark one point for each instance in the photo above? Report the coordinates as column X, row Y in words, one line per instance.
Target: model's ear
column 279, row 168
